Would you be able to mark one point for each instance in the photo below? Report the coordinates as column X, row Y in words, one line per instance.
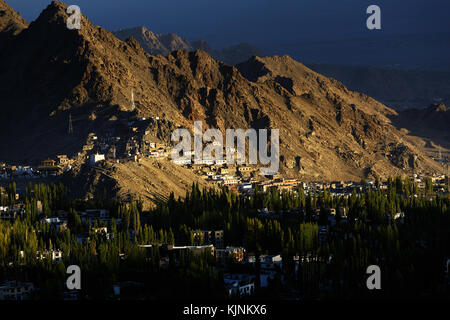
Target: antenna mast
column 132, row 99
column 70, row 124
column 448, row 179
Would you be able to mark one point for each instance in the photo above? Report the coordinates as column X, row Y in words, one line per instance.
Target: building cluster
column 48, row 254
column 12, row 212
column 134, row 141
column 15, row 290
column 48, row 167
column 223, row 174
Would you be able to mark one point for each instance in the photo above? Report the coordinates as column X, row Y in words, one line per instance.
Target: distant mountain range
column 166, row 43
column 399, row 89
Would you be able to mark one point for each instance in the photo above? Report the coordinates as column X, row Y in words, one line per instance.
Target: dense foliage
column 411, row 252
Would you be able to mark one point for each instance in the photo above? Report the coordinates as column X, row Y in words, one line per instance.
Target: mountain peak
column 153, row 43
column 55, row 10
column 53, row 19
column 11, row 23
column 166, row 43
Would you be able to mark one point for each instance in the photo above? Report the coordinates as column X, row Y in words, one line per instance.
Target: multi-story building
column 63, row 160
column 96, row 158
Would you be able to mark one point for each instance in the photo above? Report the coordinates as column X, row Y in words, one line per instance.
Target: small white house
column 221, row 162
column 182, row 161
column 96, row 158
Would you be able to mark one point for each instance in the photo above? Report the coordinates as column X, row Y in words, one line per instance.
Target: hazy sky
column 260, row 22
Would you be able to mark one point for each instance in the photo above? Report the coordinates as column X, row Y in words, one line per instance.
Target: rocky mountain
column 11, row 23
column 50, row 74
column 154, row 43
column 399, row 89
column 431, row 123
column 165, row 44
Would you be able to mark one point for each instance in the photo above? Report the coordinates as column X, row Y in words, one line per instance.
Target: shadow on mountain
column 430, row 123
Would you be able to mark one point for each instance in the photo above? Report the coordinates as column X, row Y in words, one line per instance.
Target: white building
column 207, row 161
column 221, row 162
column 228, row 182
column 96, row 158
column 182, row 161
column 52, row 220
column 54, row 255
